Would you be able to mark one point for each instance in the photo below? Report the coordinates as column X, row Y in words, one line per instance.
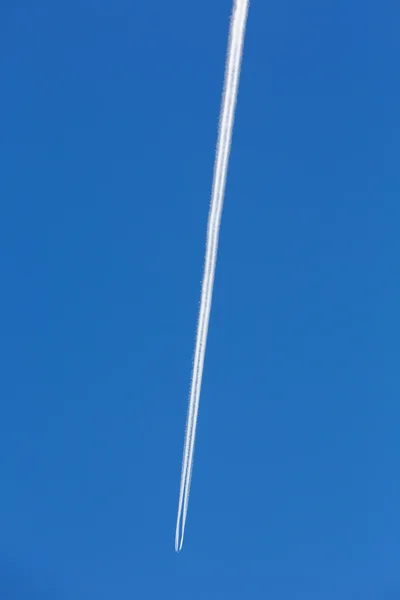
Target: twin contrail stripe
column 231, row 82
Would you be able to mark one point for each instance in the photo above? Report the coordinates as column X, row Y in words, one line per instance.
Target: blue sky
column 108, row 119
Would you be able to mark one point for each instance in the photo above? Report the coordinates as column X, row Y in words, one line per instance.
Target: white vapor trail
column 231, row 83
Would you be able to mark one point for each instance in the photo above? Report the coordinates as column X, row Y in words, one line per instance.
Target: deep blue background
column 108, row 121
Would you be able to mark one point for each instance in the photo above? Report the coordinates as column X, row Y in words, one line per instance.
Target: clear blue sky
column 108, row 121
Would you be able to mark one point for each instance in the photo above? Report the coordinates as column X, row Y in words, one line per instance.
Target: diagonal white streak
column 231, row 83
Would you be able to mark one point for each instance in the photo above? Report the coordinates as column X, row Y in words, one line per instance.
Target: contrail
column 231, row 82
